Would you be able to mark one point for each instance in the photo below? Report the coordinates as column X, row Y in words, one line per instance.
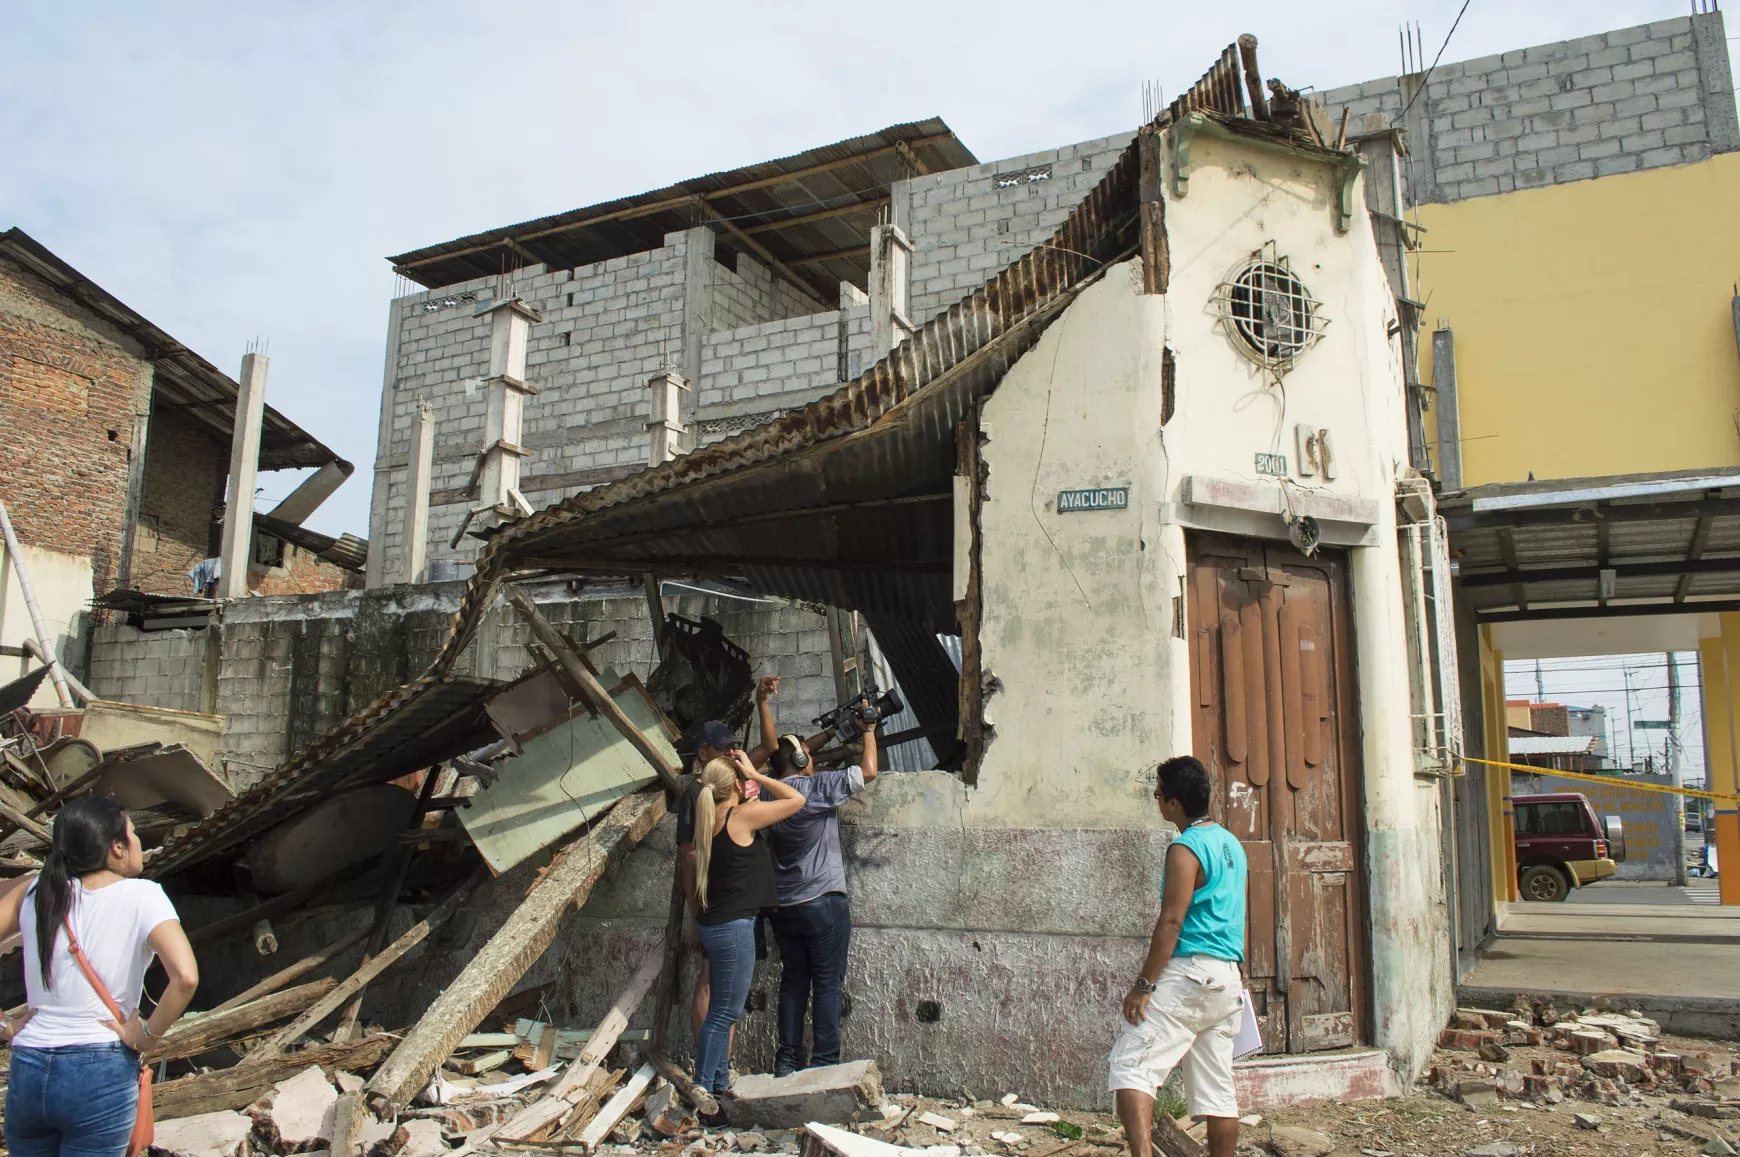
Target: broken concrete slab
column 666, row 1114
column 415, row 1138
column 833, row 1094
column 840, row 1143
column 207, row 1135
column 297, row 1115
column 938, row 1122
column 1290, row 1141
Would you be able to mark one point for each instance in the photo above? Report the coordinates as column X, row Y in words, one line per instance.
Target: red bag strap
column 78, row 954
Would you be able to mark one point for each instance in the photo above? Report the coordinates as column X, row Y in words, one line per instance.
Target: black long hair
column 84, row 831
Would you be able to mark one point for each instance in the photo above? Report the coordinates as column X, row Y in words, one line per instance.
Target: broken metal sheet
column 18, row 693
column 110, row 725
column 173, row 775
column 347, row 829
column 566, row 775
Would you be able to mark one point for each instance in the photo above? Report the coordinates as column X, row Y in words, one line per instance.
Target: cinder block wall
column 155, row 669
column 1631, row 99
column 966, row 224
column 292, row 668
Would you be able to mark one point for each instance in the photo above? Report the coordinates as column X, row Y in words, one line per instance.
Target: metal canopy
column 811, row 212
column 182, row 382
column 1638, row 544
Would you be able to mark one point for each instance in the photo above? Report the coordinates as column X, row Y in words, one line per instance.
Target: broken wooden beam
column 1171, row 1141
column 16, row 819
column 617, row 1108
column 371, row 968
column 595, row 694
column 347, row 1121
column 566, row 1091
column 198, row 1034
column 670, row 975
column 295, row 971
column 516, row 945
column 241, row 1086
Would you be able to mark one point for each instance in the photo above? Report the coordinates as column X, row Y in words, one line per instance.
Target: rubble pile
column 1534, row 1055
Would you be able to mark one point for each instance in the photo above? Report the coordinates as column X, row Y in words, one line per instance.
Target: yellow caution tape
column 1665, row 789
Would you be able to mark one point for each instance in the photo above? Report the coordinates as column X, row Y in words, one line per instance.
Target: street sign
column 1100, row 498
column 1652, row 724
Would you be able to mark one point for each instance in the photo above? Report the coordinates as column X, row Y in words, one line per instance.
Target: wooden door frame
column 1336, row 565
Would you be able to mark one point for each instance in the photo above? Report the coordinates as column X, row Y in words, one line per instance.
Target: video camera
column 867, row 709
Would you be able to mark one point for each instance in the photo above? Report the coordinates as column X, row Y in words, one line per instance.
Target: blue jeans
column 72, row 1101
column 730, row 966
column 813, row 938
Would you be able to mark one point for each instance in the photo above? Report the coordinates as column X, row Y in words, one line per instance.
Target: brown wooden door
column 1275, row 721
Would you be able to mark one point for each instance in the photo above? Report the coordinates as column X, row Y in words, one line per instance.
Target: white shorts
column 1192, row 1023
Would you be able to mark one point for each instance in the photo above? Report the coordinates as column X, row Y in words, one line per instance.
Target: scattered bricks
column 1493, row 1051
column 207, row 1135
column 1587, row 1121
column 938, row 1122
column 833, row 1094
column 1511, row 1084
column 1586, row 1042
column 1493, row 1018
column 1521, row 1032
column 666, row 1114
column 1455, row 1038
column 1619, row 1064
column 1709, row 1110
column 1468, row 1018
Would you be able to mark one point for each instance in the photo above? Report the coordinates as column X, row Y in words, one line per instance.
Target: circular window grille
column 1269, row 314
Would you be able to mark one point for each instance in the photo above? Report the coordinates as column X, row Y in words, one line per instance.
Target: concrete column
column 238, row 532
column 1719, row 659
column 664, row 428
column 1449, row 415
column 1498, row 786
column 422, row 469
column 375, row 573
column 890, row 254
column 698, row 247
column 510, row 328
column 1710, row 43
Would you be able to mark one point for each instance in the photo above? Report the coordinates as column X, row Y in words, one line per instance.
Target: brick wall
column 303, row 573
column 966, row 224
column 68, row 395
column 154, row 669
column 185, row 471
column 749, row 295
column 1631, row 99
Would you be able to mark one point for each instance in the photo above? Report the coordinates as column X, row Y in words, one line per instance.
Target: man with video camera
column 813, row 923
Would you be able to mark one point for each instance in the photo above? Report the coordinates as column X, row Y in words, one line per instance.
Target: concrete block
column 206, row 1135
column 834, row 1094
column 298, row 1112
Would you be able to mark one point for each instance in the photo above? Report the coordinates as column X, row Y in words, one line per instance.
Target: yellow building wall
column 1593, row 321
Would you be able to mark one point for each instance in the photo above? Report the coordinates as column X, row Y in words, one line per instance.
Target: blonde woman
column 733, row 884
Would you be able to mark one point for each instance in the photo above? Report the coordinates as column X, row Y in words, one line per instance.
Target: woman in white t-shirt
column 74, row 1086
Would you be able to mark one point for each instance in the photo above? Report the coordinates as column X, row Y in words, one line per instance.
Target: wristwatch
column 1143, row 984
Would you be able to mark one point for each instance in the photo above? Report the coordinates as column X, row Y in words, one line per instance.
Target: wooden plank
column 490, row 1040
column 347, row 1120
column 473, row 1066
column 241, row 1086
column 1292, row 701
column 560, row 1097
column 1256, row 707
column 355, row 982
column 617, row 1108
column 1171, row 1141
column 820, row 215
column 589, row 685
column 197, row 1034
column 670, row 979
column 531, row 929
column 18, row 819
column 295, row 971
column 1232, row 679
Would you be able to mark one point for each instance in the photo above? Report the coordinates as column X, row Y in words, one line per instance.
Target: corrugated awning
column 810, row 213
column 1634, row 544
column 183, row 382
column 1552, row 744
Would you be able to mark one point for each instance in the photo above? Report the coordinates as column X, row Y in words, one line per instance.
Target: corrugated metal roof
column 801, row 209
column 182, row 380
column 1670, row 539
column 1552, row 744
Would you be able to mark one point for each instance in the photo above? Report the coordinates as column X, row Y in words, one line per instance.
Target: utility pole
column 1540, row 684
column 1676, row 810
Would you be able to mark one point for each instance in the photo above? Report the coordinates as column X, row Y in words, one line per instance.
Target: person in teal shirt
column 1186, row 1005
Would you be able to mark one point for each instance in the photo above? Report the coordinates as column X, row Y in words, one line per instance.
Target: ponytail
column 718, row 780
column 84, row 831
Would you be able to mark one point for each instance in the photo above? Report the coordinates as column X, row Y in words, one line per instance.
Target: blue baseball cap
column 716, row 735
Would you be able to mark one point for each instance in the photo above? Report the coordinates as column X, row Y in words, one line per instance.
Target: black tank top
column 739, row 879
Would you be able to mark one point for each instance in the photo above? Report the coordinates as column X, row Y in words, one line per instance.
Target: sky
column 240, row 171
column 1617, row 682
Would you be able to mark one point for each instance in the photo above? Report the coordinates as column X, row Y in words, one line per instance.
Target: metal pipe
column 42, row 636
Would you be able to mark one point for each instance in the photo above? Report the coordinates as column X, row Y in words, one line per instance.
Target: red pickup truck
column 1561, row 843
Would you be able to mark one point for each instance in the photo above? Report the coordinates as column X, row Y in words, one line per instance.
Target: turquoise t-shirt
column 1215, row 924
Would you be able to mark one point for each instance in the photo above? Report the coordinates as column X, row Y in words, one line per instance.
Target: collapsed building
column 1100, row 454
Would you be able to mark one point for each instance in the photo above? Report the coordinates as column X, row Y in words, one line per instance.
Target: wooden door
column 1275, row 721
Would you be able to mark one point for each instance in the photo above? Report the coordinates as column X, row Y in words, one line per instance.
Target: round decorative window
column 1268, row 313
